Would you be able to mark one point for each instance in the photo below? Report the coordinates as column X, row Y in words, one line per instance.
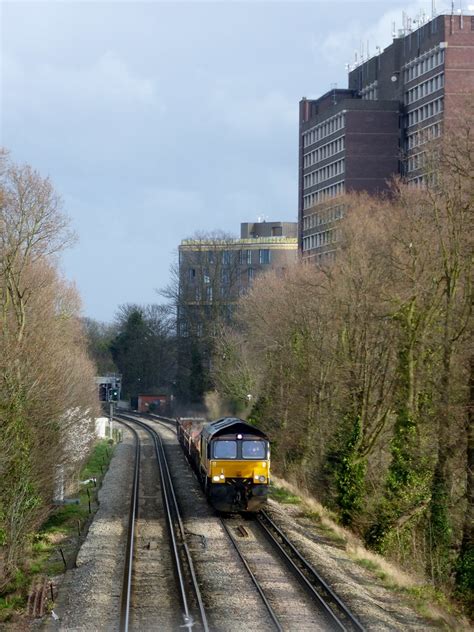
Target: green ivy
column 465, row 576
column 407, row 483
column 348, row 470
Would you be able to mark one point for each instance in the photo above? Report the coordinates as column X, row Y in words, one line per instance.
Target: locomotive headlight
column 215, row 479
column 260, row 479
column 222, row 477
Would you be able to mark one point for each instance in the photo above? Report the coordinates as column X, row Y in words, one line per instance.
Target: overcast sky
column 155, row 120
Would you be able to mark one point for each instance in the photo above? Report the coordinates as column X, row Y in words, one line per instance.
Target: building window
column 322, row 130
column 192, row 274
column 429, row 60
column 334, row 190
column 325, row 173
column 264, row 255
column 211, row 257
column 209, row 294
column 250, row 274
column 249, row 257
column 226, row 257
column 323, row 152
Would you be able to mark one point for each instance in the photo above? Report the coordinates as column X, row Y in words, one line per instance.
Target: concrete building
column 213, row 273
column 356, row 139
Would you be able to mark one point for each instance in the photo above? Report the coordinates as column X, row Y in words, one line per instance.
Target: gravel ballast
column 89, row 595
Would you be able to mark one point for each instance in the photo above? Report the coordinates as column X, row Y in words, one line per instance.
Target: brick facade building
column 358, row 138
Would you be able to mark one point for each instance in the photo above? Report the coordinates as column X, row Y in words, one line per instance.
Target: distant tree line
column 140, row 345
column 48, row 397
column 362, row 372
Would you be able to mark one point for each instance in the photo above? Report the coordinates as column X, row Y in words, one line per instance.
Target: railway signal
column 103, row 392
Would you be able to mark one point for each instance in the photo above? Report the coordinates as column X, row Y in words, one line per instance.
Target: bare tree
column 46, row 380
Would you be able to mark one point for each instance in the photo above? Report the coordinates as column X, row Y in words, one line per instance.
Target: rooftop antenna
column 368, row 50
column 377, row 48
column 405, row 22
column 433, row 8
column 394, row 32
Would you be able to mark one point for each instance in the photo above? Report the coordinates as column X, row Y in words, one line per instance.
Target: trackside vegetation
column 48, row 397
column 62, row 531
column 361, row 371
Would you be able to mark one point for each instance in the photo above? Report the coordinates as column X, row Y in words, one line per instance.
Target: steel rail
column 172, row 509
column 332, row 597
column 269, row 607
column 165, row 421
column 345, row 620
column 128, row 565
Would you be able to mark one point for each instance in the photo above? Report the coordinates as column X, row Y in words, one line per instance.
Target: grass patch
column 98, row 461
column 374, row 567
column 430, row 602
column 327, row 531
column 61, row 528
column 284, row 496
column 368, row 564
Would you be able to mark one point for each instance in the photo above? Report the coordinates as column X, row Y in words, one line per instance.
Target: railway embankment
column 382, row 595
column 88, row 596
column 54, row 547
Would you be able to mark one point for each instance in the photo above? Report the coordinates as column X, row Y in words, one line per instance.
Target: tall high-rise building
column 358, row 138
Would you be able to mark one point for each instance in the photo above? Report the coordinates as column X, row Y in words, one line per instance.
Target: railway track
column 271, row 611
column 337, row 614
column 130, row 545
column 193, row 612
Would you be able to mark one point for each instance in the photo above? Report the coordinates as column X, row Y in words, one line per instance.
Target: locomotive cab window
column 225, row 450
column 253, row 449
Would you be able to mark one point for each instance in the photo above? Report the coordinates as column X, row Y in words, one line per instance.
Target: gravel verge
column 376, row 607
column 89, row 595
